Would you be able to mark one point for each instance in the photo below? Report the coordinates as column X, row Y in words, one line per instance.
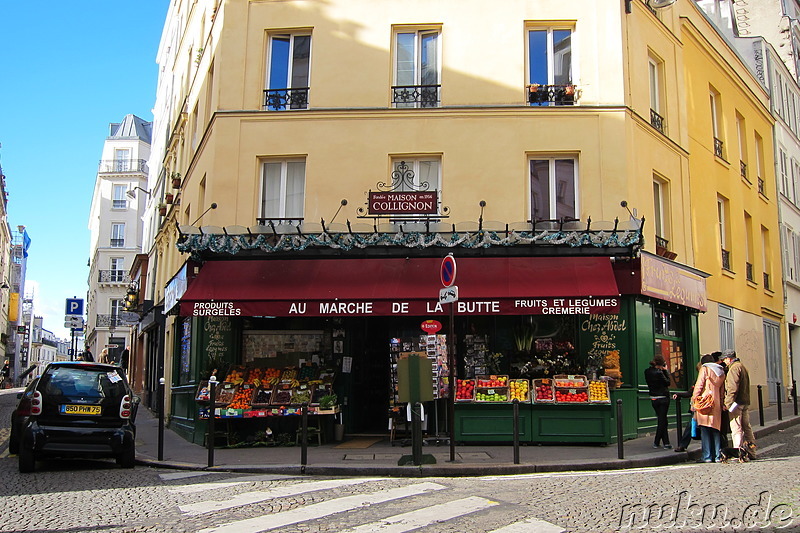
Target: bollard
column 794, row 395
column 516, row 431
column 416, row 434
column 620, row 452
column 161, row 419
column 678, row 420
column 212, row 398
column 760, row 407
column 304, row 439
column 780, row 399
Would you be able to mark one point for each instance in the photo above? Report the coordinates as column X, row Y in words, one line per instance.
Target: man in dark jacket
column 658, row 379
column 737, row 400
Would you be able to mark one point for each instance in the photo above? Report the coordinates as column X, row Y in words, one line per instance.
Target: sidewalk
column 380, row 459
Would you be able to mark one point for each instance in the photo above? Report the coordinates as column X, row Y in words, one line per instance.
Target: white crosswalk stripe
column 424, row 517
column 248, row 498
column 320, row 510
column 531, row 525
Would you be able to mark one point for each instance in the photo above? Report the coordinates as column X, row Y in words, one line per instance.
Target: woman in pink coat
column 710, row 381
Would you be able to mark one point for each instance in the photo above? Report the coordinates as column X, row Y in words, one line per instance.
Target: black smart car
column 75, row 409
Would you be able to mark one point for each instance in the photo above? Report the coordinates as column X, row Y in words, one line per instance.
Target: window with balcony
column 122, row 160
column 282, row 191
column 661, row 217
column 289, row 58
column 119, row 199
column 759, row 146
column 417, row 68
column 656, row 70
column 416, row 173
column 117, row 270
column 118, row 235
column 550, row 67
column 748, row 247
column 553, row 186
column 766, row 250
column 716, row 123
column 741, row 137
column 724, row 231
column 784, row 169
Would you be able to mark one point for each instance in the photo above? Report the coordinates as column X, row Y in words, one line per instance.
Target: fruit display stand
column 491, row 422
column 543, row 391
column 519, row 389
column 465, row 390
column 598, row 392
column 571, row 389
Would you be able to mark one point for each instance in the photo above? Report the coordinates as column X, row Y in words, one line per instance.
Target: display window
column 669, row 342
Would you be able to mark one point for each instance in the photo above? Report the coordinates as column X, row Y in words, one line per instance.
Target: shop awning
column 388, row 287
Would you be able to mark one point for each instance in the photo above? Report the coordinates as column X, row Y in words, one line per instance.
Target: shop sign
column 496, row 306
column 431, row 326
column 671, row 283
column 175, row 289
column 403, row 203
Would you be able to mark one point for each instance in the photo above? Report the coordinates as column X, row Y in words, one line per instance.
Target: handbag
column 703, row 404
column 695, row 429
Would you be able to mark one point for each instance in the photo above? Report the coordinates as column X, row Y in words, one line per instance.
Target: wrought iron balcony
column 551, row 94
column 108, row 321
column 415, row 95
column 749, row 273
column 113, row 276
column 289, row 98
column 762, row 189
column 657, row 121
column 718, row 148
column 123, row 165
column 118, row 243
column 743, row 170
column 726, row 259
column 275, row 222
column 766, row 282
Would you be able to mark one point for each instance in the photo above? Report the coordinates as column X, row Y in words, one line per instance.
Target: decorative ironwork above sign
column 403, row 197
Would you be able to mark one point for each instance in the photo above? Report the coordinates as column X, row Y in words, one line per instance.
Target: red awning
column 384, row 287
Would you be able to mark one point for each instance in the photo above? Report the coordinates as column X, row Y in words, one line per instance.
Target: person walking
column 708, row 389
column 737, row 402
column 658, row 380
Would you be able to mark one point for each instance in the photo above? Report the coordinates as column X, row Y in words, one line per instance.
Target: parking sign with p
column 74, row 306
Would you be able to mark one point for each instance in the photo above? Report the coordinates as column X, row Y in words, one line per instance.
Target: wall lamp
column 131, row 193
column 212, row 206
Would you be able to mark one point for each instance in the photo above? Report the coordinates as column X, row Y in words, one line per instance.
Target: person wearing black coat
column 658, row 380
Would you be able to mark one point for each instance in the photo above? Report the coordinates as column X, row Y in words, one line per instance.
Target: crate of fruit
column 543, row 391
column 491, row 394
column 282, row 396
column 236, row 375
column 569, row 381
column 262, row 396
column 598, row 391
column 567, row 395
column 243, row 397
column 224, row 393
column 302, row 394
column 519, row 389
column 491, row 381
column 465, row 390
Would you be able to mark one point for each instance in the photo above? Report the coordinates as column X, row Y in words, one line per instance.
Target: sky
column 67, row 70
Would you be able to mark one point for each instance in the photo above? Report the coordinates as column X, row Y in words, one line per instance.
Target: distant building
column 116, row 231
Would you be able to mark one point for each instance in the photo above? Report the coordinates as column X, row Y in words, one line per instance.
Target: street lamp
column 131, row 193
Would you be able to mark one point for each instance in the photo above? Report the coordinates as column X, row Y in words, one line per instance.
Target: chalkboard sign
column 217, row 335
column 604, row 338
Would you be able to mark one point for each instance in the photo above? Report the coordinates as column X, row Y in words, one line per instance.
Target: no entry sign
column 448, row 270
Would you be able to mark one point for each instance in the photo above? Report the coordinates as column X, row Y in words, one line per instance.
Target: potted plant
column 162, row 209
column 328, row 402
column 176, row 180
column 169, row 197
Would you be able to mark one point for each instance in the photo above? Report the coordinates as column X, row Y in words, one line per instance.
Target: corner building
column 322, row 160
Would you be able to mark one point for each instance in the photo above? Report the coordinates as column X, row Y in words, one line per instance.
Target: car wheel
column 27, row 461
column 127, row 458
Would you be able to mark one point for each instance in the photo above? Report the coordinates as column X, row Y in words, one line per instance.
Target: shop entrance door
column 370, row 392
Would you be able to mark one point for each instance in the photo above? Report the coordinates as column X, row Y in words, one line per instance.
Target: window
column 122, row 160
column 288, row 72
column 117, row 269
column 118, row 235
column 748, row 247
column 659, row 208
column 553, row 184
column 283, row 189
column 119, row 200
column 726, row 328
column 794, row 258
column 759, row 145
column 115, row 306
column 416, row 69
column 668, row 334
column 766, row 250
column 724, row 231
column 783, row 162
column 741, row 137
column 716, row 123
column 550, row 66
column 655, row 69
column 417, row 173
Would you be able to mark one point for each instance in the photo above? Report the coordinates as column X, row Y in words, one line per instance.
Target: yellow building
column 317, row 161
column 734, row 202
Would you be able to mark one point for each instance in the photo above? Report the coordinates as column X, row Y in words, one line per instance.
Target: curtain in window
column 295, row 188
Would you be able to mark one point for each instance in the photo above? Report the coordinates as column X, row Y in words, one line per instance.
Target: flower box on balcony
column 162, row 209
column 176, row 182
column 169, row 197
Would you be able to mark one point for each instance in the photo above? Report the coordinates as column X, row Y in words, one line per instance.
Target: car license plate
column 71, row 409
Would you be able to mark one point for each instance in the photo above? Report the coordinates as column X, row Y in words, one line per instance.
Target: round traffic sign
column 448, row 270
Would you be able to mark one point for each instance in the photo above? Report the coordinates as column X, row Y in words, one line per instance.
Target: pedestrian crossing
column 359, row 505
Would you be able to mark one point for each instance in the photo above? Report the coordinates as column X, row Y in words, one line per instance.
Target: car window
column 84, row 382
